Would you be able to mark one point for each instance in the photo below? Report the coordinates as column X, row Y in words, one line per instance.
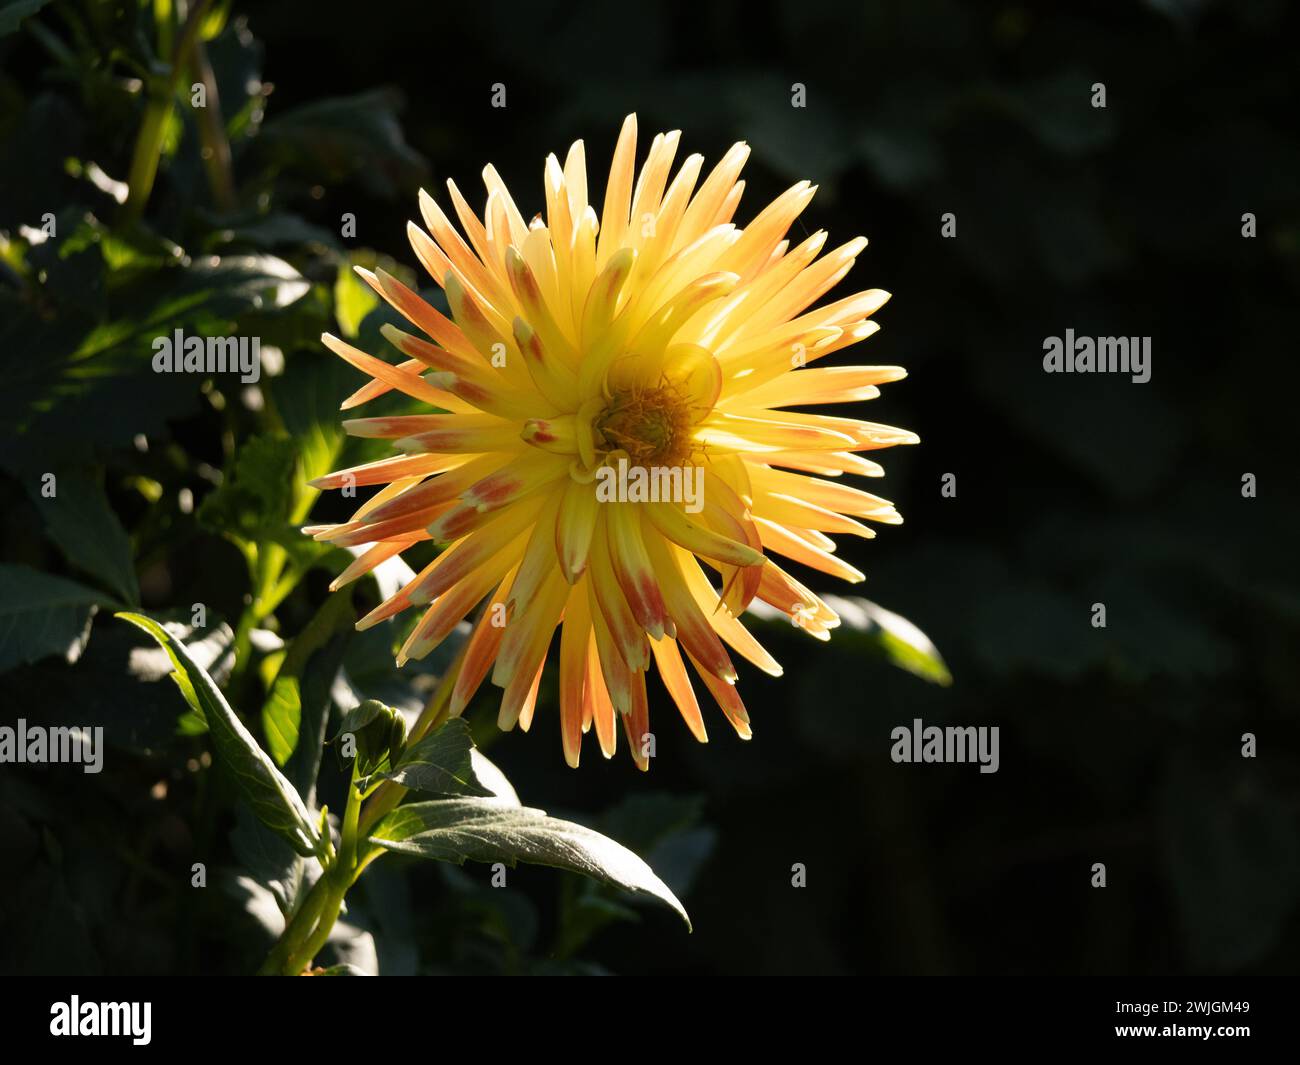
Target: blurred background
column 1120, row 745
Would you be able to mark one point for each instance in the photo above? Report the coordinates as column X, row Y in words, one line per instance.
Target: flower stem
column 297, row 930
column 309, row 929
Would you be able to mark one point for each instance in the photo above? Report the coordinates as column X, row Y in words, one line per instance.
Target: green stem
column 161, row 90
column 269, row 591
column 348, row 846
column 341, row 877
column 271, row 585
column 148, row 148
column 333, row 907
column 164, row 17
column 277, row 595
column 297, row 930
column 212, row 134
column 310, row 927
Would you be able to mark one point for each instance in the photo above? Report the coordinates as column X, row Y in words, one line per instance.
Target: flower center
column 653, row 425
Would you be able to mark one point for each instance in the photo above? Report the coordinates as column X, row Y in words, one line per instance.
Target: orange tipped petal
column 653, row 332
column 673, row 673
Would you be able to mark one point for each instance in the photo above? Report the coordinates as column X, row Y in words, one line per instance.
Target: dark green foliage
column 1119, row 745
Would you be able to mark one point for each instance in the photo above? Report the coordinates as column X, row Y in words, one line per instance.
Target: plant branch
column 161, row 90
column 309, row 929
column 212, row 134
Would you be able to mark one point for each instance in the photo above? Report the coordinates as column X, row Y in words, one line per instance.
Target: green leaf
column 257, row 496
column 214, row 21
column 441, row 763
column 487, row 830
column 304, row 682
column 264, row 499
column 281, row 714
column 360, row 716
column 270, row 861
column 491, row 777
column 270, row 795
column 340, row 137
column 353, row 300
column 84, row 379
column 379, row 734
column 14, row 13
column 79, row 519
column 238, row 282
column 41, row 614
column 656, row 824
column 120, row 684
column 307, row 396
column 278, row 229
column 903, row 643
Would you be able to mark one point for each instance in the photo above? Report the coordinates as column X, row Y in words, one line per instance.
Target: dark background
column 1119, row 745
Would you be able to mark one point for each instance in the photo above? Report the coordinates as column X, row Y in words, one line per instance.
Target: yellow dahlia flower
column 656, row 337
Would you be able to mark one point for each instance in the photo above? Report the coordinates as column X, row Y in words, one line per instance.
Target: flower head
column 607, row 412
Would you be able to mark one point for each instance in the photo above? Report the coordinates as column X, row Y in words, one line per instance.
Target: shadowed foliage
column 1120, row 745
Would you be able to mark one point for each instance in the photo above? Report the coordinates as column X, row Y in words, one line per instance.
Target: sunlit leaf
column 294, row 714
column 441, row 763
column 263, row 786
column 353, row 300
column 256, row 495
column 486, row 830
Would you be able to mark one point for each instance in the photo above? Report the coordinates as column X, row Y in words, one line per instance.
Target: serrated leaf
column 256, row 497
column 79, row 519
column 263, row 786
column 441, row 763
column 84, row 378
column 487, row 830
column 41, row 614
